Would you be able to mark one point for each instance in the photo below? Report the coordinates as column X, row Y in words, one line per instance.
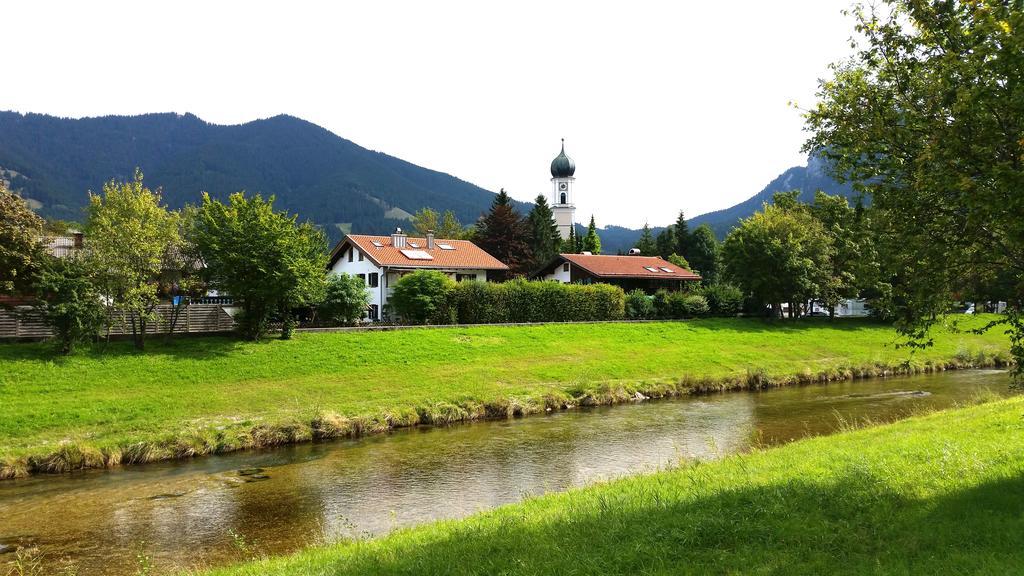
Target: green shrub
column 639, row 305
column 69, row 302
column 724, row 299
column 526, row 301
column 661, row 305
column 423, row 298
column 695, row 306
column 345, row 299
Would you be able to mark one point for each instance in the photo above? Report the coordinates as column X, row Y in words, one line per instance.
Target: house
column 381, row 260
column 648, row 273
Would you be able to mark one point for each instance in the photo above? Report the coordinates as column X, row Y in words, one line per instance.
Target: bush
column 525, row 301
column 423, row 298
column 639, row 305
column 345, row 300
column 694, row 306
column 724, row 299
column 69, row 302
column 661, row 305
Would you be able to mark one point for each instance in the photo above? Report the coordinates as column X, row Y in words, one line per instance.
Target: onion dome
column 562, row 166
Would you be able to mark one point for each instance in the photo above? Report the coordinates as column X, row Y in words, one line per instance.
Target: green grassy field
column 935, row 494
column 101, row 407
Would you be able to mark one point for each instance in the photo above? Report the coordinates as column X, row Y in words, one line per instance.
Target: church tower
column 562, row 169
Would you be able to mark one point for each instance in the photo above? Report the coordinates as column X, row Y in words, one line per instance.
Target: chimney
column 398, row 238
column 430, row 239
column 634, row 251
column 78, row 236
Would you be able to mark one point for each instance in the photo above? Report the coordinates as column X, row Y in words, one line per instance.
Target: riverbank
column 935, row 494
column 105, row 407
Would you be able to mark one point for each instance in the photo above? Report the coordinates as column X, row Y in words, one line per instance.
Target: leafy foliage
column 69, row 301
column 264, row 259
column 928, row 117
column 345, row 299
column 445, row 225
column 422, row 298
column 21, row 251
column 639, row 305
column 530, row 301
column 131, row 238
column 703, row 253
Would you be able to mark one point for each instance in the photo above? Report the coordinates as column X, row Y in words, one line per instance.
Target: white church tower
column 562, row 169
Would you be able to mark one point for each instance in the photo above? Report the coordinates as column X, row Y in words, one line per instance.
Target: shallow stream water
column 217, row 510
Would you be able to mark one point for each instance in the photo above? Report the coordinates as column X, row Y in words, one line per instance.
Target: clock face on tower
column 563, row 186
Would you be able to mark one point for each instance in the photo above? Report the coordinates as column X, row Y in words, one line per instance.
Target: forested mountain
column 325, row 178
column 808, row 179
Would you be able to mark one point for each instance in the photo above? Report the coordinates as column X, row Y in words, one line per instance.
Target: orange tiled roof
column 465, row 255
column 607, row 266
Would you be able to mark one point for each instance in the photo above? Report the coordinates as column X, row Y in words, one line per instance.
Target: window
column 374, row 279
column 562, row 198
column 414, row 244
column 650, row 268
column 374, row 312
column 465, row 277
column 362, row 277
column 565, row 267
column 416, row 255
column 360, row 255
column 446, row 246
column 376, row 243
column 663, row 269
column 350, row 250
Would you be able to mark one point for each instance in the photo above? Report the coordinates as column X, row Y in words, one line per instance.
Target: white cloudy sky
column 664, row 105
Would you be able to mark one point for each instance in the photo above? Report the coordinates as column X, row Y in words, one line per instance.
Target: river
column 216, row 510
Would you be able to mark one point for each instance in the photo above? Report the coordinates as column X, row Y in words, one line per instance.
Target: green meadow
column 935, row 494
column 109, row 405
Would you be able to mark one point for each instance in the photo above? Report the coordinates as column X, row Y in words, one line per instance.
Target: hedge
column 526, row 301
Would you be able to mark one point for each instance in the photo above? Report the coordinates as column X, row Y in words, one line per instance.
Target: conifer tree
column 569, row 245
column 666, row 242
column 545, row 240
column 504, row 234
column 592, row 242
column 682, row 236
column 646, row 243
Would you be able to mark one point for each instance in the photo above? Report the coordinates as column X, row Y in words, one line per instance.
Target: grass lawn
column 935, row 494
column 199, row 395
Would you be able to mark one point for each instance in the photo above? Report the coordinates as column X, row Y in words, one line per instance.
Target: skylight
column 663, row 269
column 417, row 255
column 414, row 244
column 446, row 246
column 376, row 243
column 650, row 268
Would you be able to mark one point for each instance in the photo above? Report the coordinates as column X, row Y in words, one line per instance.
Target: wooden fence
column 194, row 318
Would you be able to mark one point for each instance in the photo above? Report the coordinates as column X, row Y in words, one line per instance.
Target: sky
column 664, row 106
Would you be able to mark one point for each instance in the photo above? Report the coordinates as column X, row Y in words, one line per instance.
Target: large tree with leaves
column 545, row 240
column 21, row 248
column 131, row 239
column 442, row 225
column 927, row 117
column 264, row 259
column 504, row 234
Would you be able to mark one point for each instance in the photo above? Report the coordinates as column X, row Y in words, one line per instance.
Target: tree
column 443, row 225
column 776, row 256
column 682, row 235
column 504, row 234
column 545, row 241
column 704, row 253
column 646, row 244
column 421, row 297
column 928, row 118
column 345, row 299
column 679, row 261
column 69, row 302
column 130, row 237
column 21, row 248
column 839, row 221
column 592, row 242
column 570, row 244
column 666, row 242
column 265, row 260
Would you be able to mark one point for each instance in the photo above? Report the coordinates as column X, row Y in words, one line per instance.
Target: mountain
column 53, row 162
column 808, row 179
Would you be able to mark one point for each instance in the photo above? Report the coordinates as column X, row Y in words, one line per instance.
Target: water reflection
column 197, row 513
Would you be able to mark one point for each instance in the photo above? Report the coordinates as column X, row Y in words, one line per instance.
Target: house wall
column 366, row 267
column 560, row 274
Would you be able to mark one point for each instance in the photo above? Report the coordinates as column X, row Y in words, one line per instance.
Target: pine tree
column 683, row 237
column 592, row 242
column 569, row 245
column 544, row 238
column 504, row 234
column 666, row 242
column 646, row 243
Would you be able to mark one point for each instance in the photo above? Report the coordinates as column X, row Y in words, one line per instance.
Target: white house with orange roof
column 647, row 273
column 381, row 260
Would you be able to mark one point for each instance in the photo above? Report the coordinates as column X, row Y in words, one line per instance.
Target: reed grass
column 113, row 406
